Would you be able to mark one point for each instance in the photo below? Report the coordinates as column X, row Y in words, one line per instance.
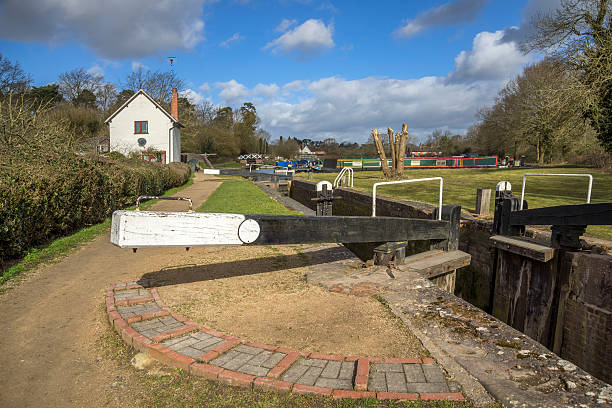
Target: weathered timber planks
column 436, row 262
column 135, row 229
column 528, row 249
column 581, row 214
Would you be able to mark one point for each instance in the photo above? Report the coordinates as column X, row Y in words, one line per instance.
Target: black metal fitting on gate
column 505, row 203
column 324, row 201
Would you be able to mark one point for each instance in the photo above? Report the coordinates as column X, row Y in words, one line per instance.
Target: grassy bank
column 242, row 197
column 460, row 187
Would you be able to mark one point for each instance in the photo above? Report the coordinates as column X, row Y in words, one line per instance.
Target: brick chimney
column 174, row 104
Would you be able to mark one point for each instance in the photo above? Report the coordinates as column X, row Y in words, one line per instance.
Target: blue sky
column 313, row 68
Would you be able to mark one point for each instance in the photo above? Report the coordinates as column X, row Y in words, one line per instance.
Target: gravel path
column 52, row 320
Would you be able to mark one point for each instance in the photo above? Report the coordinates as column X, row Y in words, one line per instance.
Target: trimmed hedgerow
column 49, row 197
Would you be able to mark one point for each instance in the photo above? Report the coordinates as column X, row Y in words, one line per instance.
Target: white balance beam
column 138, row 229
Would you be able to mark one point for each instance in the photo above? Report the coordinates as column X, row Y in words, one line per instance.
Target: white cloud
column 305, row 41
column 268, row 91
column 349, row 109
column 296, row 85
column 192, row 96
column 284, row 25
column 204, row 87
column 450, row 13
column 236, row 37
column 490, row 58
column 232, row 91
column 327, row 6
column 96, row 70
column 136, row 65
column 112, row 28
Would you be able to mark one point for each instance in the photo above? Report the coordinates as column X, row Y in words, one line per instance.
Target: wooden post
column 402, row 149
column 393, row 153
column 483, row 201
column 505, row 209
column 381, row 153
column 451, row 213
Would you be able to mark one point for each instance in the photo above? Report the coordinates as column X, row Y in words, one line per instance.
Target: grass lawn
column 460, row 187
column 241, row 196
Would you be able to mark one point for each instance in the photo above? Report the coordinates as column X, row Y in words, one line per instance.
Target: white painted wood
column 138, row 229
column 212, row 171
column 320, row 185
column 248, row 231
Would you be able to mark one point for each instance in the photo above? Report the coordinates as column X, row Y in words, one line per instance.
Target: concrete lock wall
column 565, row 303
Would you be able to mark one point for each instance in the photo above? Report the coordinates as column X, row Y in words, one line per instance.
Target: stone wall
column 565, row 303
column 587, row 329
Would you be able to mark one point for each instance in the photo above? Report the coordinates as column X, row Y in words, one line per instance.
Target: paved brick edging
column 144, row 322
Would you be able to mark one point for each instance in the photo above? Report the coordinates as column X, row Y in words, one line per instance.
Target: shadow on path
column 198, row 273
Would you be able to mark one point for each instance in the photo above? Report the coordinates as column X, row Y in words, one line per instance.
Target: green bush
column 44, row 197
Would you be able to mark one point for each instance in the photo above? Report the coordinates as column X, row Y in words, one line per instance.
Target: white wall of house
column 163, row 134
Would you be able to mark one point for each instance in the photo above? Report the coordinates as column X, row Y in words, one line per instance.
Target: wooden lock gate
column 143, row 229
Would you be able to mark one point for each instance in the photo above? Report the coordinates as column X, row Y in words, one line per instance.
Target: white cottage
column 142, row 124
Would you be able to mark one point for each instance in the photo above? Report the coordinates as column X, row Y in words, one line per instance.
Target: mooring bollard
column 483, row 201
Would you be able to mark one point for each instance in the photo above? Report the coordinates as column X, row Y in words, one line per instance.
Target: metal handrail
column 341, row 175
column 408, row 181
column 588, row 201
column 163, row 198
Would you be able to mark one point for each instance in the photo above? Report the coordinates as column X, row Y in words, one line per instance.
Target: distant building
column 143, row 125
column 306, row 153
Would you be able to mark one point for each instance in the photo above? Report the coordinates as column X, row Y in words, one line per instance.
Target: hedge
column 43, row 199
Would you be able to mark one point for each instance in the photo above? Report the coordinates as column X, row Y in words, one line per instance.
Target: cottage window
column 141, row 127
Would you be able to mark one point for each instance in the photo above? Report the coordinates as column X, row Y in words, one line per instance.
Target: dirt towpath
column 52, row 320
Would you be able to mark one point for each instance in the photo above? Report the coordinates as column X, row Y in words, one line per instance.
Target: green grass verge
column 242, row 197
column 460, row 187
column 63, row 246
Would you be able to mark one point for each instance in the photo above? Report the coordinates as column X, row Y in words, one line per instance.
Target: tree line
column 561, row 107
column 81, row 100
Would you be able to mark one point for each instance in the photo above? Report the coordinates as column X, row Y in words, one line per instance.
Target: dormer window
column 141, row 127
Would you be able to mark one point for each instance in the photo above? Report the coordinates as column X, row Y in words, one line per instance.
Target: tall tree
column 46, row 95
column 12, row 77
column 579, row 33
column 155, row 83
column 536, row 110
column 73, row 83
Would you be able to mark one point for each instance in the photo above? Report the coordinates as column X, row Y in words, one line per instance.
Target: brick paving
column 322, row 373
column 193, row 344
column 411, row 378
column 249, row 360
column 158, row 325
column 145, row 323
column 130, row 294
column 137, row 310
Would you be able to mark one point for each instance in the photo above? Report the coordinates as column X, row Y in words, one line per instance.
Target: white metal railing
column 408, row 181
column 557, row 175
column 349, row 175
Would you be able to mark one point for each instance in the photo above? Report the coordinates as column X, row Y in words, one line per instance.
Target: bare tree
column 106, row 95
column 579, row 33
column 155, row 83
column 535, row 109
column 12, row 77
column 381, row 153
column 73, row 83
